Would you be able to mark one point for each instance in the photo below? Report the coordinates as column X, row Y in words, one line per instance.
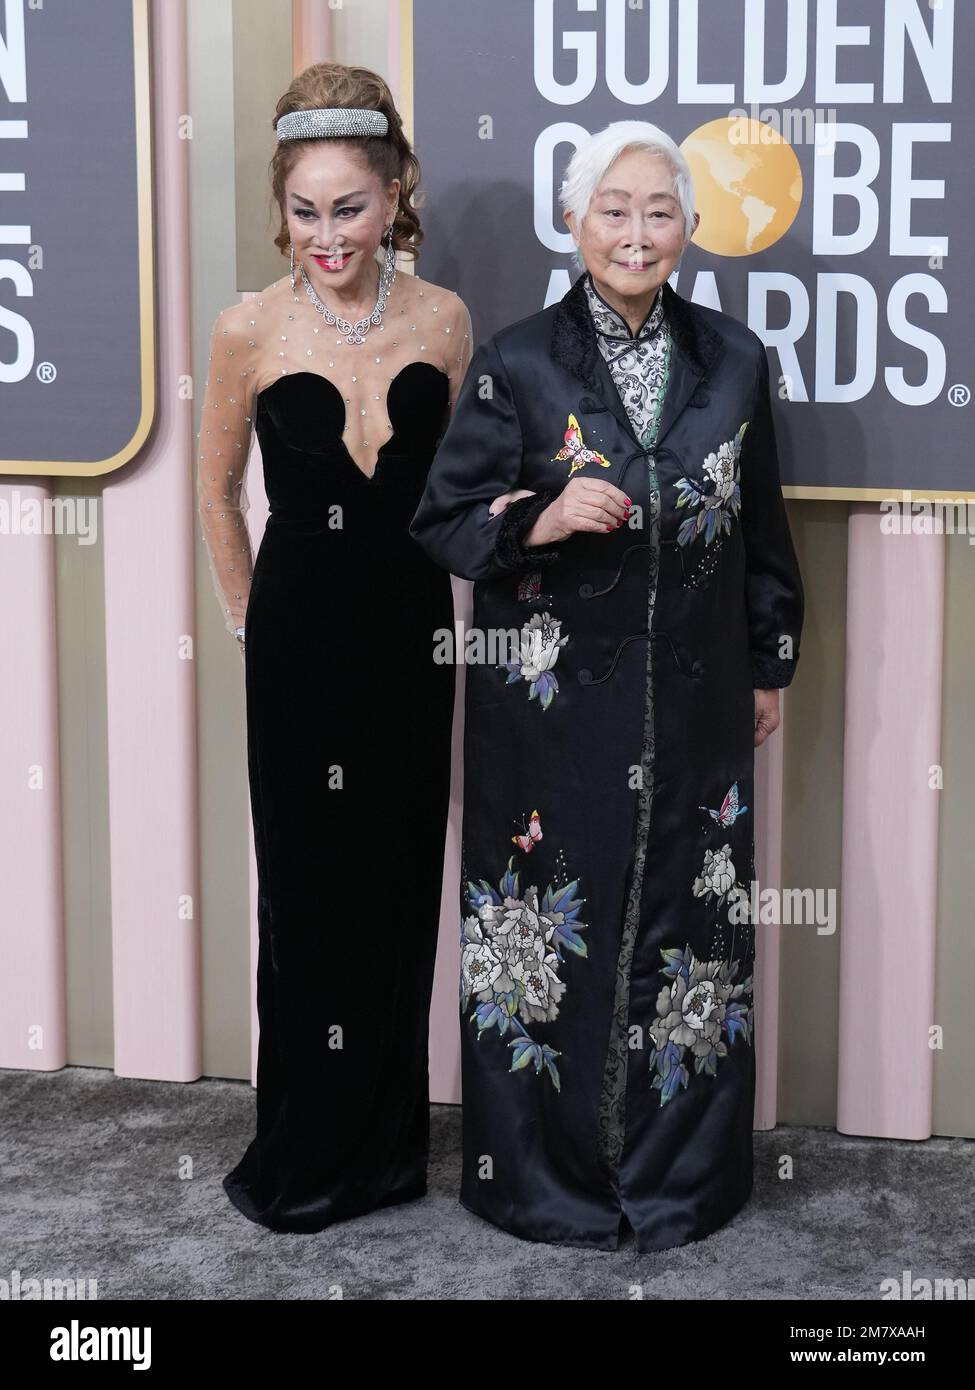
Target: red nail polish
column 627, row 501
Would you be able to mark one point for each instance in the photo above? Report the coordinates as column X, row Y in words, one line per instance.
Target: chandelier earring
column 389, row 263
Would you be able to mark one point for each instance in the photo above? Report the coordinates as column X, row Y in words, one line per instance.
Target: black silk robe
column 607, row 1008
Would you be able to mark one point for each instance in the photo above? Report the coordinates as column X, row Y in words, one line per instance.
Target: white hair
column 594, row 157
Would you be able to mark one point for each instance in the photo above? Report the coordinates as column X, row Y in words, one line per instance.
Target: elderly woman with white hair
column 609, row 479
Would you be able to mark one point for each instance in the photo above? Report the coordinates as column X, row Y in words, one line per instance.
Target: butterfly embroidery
column 530, row 587
column 730, row 810
column 576, row 450
column 532, row 835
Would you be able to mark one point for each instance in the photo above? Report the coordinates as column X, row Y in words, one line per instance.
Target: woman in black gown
column 348, row 714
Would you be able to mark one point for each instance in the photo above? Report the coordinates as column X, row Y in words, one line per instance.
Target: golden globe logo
column 748, row 185
column 749, row 189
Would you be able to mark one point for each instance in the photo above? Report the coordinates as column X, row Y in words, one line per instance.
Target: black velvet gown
column 348, row 728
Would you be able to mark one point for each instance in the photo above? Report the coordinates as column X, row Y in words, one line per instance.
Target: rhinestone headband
column 331, row 121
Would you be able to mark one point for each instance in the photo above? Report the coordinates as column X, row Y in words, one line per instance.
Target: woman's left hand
column 766, row 714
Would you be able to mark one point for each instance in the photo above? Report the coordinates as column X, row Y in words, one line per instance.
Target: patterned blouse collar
column 611, row 324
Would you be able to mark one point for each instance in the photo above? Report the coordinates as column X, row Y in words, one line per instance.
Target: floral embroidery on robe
column 511, row 951
column 699, row 1015
column 541, row 641
column 713, row 505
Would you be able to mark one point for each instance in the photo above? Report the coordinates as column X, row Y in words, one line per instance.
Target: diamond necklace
column 355, row 332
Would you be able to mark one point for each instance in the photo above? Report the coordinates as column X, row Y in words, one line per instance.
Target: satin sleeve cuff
column 770, row 672
column 515, row 522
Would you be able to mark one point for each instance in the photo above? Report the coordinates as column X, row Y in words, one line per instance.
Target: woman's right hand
column 584, row 504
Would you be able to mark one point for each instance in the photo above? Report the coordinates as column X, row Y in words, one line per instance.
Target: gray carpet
column 90, row 1188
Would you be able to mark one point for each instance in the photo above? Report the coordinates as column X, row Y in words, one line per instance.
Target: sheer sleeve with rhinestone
column 223, row 447
column 459, row 349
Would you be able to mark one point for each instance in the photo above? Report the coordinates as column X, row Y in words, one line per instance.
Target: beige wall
column 954, row 1094
column 813, row 725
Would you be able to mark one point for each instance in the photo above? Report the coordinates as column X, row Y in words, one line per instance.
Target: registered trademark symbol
column 46, row 372
column 959, row 395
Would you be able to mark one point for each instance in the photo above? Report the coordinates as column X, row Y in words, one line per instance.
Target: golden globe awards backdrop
column 831, row 144
column 77, row 359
